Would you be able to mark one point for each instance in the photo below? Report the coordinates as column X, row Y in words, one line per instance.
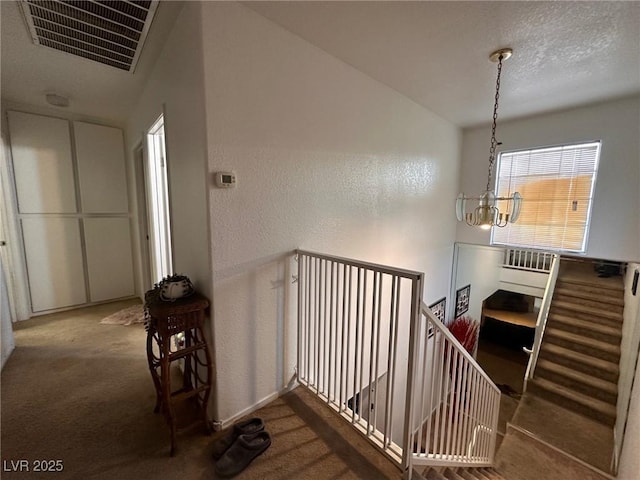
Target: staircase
column 580, row 352
column 462, row 474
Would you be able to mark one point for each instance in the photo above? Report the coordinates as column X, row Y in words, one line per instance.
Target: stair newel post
column 494, row 429
column 414, row 329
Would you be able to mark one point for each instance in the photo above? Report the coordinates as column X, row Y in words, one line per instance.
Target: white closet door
column 41, row 151
column 109, row 258
column 54, row 262
column 101, row 168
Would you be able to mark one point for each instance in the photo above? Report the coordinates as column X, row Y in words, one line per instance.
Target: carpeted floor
column 580, row 436
column 506, row 368
column 80, row 392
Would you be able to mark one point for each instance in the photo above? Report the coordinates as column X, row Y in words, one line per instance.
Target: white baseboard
column 222, row 424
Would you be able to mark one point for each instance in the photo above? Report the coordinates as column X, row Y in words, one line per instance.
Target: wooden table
column 175, row 332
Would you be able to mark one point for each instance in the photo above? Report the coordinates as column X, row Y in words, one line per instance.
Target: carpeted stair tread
column 599, row 367
column 451, row 475
column 524, row 457
column 432, row 474
column 471, row 473
column 555, row 310
column 586, row 327
column 588, row 280
column 479, row 474
column 586, row 309
column 592, row 301
column 612, row 298
column 598, row 346
column 464, row 473
column 579, row 381
column 585, row 317
column 491, row 474
column 612, row 291
column 604, row 411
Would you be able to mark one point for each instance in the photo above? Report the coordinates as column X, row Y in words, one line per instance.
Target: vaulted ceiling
column 436, row 53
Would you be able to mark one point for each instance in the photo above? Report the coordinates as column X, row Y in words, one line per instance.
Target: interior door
column 77, row 248
column 143, row 217
column 53, row 252
column 47, row 210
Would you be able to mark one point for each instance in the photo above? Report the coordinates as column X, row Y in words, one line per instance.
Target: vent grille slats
column 83, row 37
column 53, row 19
column 81, row 53
column 79, row 45
column 127, row 8
column 105, row 31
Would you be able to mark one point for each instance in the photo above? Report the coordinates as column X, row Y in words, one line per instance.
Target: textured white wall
column 615, row 219
column 479, row 267
column 176, row 85
column 326, row 159
column 630, row 460
column 628, row 358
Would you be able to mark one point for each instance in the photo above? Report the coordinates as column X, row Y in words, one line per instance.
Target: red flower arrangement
column 465, row 329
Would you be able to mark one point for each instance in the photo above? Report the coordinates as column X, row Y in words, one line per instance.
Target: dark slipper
column 245, row 427
column 242, row 453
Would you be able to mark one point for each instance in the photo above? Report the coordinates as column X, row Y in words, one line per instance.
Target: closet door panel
column 54, row 262
column 109, row 258
column 42, row 163
column 101, row 168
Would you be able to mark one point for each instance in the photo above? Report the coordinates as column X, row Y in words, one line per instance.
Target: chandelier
column 487, row 214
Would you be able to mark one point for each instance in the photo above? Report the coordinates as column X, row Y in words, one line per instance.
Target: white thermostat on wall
column 225, row 179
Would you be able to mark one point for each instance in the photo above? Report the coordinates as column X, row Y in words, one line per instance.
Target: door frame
column 157, row 198
column 142, row 217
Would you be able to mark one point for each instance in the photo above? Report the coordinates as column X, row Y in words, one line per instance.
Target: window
column 556, row 184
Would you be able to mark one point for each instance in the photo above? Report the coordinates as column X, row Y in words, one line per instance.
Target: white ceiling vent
column 108, row 31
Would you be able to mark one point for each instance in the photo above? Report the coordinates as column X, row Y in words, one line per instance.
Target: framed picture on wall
column 439, row 309
column 462, row 300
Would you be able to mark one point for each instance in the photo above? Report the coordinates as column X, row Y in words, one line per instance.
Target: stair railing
column 456, row 403
column 355, row 322
column 372, row 350
column 541, row 322
column 531, row 260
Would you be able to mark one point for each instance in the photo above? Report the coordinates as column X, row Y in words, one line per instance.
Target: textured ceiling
column 436, row 53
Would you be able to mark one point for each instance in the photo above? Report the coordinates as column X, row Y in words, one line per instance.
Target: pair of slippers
column 235, row 450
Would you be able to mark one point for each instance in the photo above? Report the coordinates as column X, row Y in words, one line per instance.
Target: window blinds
column 556, row 184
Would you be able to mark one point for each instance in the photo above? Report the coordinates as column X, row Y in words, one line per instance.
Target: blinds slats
column 556, row 185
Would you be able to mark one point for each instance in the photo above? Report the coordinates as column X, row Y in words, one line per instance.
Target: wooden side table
column 180, row 322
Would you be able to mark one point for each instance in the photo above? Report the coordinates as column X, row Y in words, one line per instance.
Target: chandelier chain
column 492, row 148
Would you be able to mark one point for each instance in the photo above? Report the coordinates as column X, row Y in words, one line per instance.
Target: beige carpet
column 521, row 457
column 78, row 391
column 580, row 436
